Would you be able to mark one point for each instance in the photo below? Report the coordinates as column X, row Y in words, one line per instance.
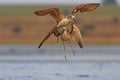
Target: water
column 26, row 62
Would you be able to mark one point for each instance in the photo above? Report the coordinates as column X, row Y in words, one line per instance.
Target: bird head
column 72, row 17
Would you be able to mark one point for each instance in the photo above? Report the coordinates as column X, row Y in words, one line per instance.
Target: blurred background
column 19, row 24
column 21, row 31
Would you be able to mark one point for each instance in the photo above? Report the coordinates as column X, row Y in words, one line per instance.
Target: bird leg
column 57, row 40
column 71, row 47
column 64, row 51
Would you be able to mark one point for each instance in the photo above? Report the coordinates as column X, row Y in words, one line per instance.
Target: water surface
column 26, row 62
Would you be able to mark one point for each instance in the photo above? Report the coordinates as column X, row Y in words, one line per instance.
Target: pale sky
column 2, row 2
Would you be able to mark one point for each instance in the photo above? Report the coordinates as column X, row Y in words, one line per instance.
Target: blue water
column 91, row 63
column 58, row 71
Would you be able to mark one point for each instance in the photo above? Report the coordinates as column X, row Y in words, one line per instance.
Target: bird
column 66, row 27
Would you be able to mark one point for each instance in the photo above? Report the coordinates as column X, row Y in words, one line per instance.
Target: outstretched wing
column 85, row 8
column 76, row 35
column 54, row 12
column 45, row 38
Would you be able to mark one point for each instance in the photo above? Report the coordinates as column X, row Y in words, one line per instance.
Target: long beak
column 75, row 20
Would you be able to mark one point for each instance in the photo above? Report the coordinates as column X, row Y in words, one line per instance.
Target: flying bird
column 67, row 26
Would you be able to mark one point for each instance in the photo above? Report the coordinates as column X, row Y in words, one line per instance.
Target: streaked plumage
column 54, row 12
column 60, row 30
column 85, row 8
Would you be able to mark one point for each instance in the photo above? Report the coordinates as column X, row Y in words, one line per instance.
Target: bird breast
column 64, row 22
column 65, row 36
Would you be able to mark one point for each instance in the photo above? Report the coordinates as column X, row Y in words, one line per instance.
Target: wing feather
column 76, row 35
column 85, row 8
column 45, row 38
column 54, row 12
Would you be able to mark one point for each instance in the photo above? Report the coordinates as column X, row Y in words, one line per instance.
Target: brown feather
column 46, row 37
column 76, row 35
column 54, row 12
column 86, row 7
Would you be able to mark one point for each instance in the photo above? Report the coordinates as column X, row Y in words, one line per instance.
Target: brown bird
column 67, row 26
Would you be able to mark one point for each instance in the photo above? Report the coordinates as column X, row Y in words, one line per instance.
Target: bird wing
column 85, row 8
column 76, row 35
column 46, row 37
column 54, row 12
